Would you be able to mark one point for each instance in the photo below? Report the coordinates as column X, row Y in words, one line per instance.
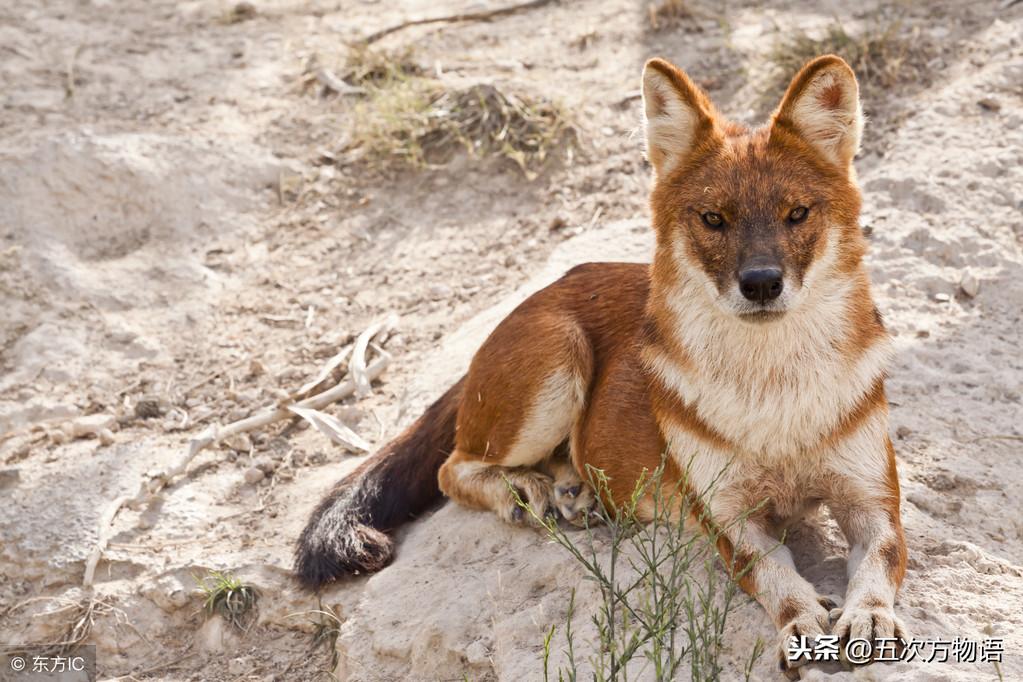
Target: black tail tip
column 356, row 550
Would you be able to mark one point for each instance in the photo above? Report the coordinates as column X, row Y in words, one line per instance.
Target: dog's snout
column 761, row 284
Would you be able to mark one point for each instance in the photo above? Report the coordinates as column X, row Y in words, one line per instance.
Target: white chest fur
column 774, row 389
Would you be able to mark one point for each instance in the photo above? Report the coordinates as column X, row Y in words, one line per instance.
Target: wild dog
column 750, row 351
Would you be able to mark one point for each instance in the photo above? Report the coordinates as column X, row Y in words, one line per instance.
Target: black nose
column 760, row 284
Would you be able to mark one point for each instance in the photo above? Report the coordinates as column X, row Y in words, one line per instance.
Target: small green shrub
column 653, row 611
column 229, row 597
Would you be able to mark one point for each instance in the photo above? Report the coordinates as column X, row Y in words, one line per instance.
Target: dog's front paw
column 800, row 631
column 529, row 498
column 575, row 501
column 869, row 619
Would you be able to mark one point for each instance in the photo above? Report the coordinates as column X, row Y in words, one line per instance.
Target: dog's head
column 757, row 216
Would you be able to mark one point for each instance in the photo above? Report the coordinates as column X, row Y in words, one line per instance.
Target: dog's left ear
column 679, row 116
column 822, row 105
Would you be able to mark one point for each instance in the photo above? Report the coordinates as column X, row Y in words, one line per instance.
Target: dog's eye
column 713, row 220
column 798, row 214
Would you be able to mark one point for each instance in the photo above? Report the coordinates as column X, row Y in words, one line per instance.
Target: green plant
column 653, row 615
column 228, row 597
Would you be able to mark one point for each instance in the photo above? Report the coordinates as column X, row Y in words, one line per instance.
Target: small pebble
column 254, row 475
column 942, row 298
column 239, row 442
column 266, row 465
column 106, row 437
column 91, row 425
column 148, row 407
column 440, row 291
column 969, row 284
column 237, row 667
column 990, row 104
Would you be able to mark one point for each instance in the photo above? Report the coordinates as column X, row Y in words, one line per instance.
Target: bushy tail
column 347, row 532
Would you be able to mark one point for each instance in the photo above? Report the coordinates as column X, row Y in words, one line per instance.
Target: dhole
column 751, row 346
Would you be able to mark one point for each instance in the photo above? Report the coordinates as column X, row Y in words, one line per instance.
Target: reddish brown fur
column 895, row 552
column 790, row 608
column 832, row 96
column 754, row 180
column 873, row 400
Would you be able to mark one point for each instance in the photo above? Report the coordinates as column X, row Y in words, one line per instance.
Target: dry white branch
column 331, row 427
column 155, row 482
column 325, row 372
column 330, row 80
column 357, row 366
column 106, row 528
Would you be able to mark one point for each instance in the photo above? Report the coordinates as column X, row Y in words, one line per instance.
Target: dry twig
column 331, row 427
column 331, row 81
column 69, row 74
column 357, row 366
column 996, row 436
column 325, row 373
column 82, row 618
column 456, row 18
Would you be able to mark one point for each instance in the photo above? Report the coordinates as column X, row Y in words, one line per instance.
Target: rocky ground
column 186, row 234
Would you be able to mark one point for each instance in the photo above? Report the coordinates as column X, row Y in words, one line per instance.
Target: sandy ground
column 171, row 235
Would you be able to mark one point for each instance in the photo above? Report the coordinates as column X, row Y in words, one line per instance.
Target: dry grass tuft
column 78, row 617
column 326, row 630
column 669, row 13
column 419, row 122
column 242, row 11
column 882, row 57
column 368, row 66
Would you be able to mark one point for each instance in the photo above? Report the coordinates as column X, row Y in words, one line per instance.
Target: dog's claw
column 570, row 491
column 829, row 603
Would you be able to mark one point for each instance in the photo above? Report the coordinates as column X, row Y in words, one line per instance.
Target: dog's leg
column 729, row 504
column 764, row 568
column 866, row 506
column 470, row 481
column 525, row 391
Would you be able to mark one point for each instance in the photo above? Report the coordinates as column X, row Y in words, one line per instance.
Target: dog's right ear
column 822, row 105
column 678, row 115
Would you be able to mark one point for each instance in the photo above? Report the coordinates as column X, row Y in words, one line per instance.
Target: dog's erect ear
column 822, row 105
column 678, row 115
